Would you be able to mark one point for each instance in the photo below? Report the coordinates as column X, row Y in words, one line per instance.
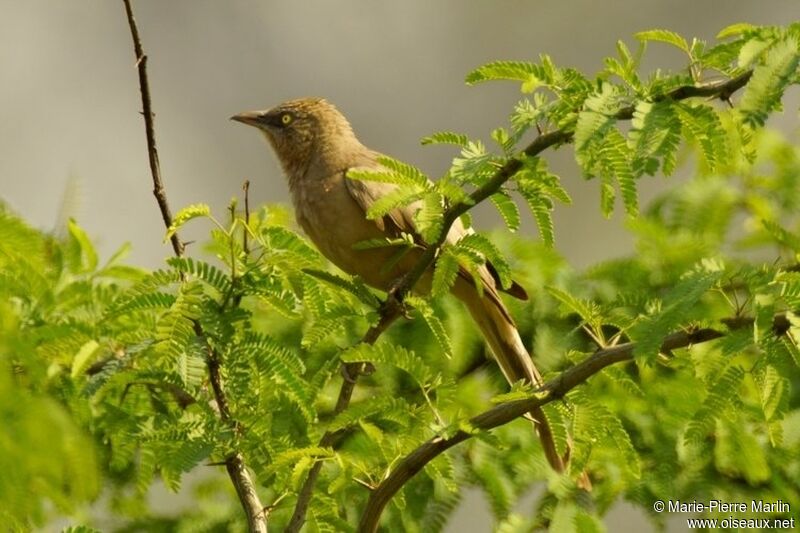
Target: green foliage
column 664, row 36
column 770, row 79
column 654, row 138
column 110, row 375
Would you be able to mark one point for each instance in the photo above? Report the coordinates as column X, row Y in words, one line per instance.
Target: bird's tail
column 501, row 333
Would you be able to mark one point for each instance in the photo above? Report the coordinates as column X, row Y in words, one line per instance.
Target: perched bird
column 316, row 147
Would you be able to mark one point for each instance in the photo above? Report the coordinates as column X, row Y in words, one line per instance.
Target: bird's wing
column 401, row 220
column 396, row 221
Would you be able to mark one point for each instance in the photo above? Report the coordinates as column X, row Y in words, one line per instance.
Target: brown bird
column 317, row 147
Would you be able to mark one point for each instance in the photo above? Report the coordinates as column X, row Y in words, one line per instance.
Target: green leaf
column 141, row 302
column 290, row 458
column 84, row 356
column 654, row 137
column 770, row 79
column 80, row 529
column 739, row 454
column 355, row 287
column 751, row 51
column 446, row 137
column 410, row 181
column 203, row 271
column 320, row 329
column 614, row 159
column 444, row 274
column 627, row 66
column 541, row 207
column 385, row 242
column 596, row 425
column 723, row 393
column 382, row 407
column 702, row 124
column 774, row 394
column 679, row 307
column 434, row 324
column 537, row 185
column 507, row 209
column 607, row 196
column 88, row 253
column 781, row 235
column 281, row 365
column 503, row 140
column 396, row 356
column 404, row 169
column 585, row 309
column 734, row 30
column 485, row 248
column 428, row 219
column 664, row 36
column 530, row 74
column 597, row 117
column 601, row 149
column 185, row 215
column 397, row 198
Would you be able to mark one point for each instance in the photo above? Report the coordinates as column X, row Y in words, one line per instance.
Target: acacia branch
column 722, row 90
column 235, row 465
column 552, row 390
column 391, row 309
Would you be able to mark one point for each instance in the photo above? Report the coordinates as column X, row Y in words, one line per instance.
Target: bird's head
column 298, row 130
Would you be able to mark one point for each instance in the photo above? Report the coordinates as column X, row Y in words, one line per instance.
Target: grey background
column 69, row 101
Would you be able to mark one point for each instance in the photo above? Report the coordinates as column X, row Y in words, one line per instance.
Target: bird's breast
column 335, row 223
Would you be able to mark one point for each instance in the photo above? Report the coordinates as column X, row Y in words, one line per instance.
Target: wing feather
column 401, row 220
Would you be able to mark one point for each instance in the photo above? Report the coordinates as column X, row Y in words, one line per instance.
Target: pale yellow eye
column 286, row 118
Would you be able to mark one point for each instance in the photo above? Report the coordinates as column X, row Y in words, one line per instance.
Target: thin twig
column 503, row 413
column 235, row 465
column 149, row 129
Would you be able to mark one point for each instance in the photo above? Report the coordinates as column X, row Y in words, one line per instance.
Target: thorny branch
column 235, row 465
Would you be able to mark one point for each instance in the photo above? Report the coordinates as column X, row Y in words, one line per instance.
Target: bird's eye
column 286, row 119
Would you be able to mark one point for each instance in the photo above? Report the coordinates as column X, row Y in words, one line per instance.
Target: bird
column 317, row 147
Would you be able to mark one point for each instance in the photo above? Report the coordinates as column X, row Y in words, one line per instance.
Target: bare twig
column 235, row 465
column 147, row 111
column 503, row 413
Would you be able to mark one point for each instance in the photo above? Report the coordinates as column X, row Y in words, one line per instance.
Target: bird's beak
column 251, row 118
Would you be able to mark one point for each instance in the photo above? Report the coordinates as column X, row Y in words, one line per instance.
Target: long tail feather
column 506, row 345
